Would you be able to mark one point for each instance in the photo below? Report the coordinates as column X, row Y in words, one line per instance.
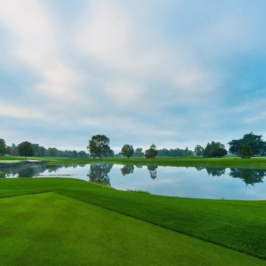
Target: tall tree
column 151, row 152
column 256, row 143
column 215, row 149
column 98, row 145
column 127, row 150
column 2, row 147
column 207, row 150
column 25, row 149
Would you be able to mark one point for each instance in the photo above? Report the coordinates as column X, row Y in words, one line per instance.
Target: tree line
column 99, row 147
column 28, row 149
column 246, row 147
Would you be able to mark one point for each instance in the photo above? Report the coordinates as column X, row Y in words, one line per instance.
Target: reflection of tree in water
column 99, row 173
column 153, row 171
column 54, row 168
column 127, row 169
column 26, row 172
column 199, row 168
column 215, row 171
column 249, row 176
column 31, row 171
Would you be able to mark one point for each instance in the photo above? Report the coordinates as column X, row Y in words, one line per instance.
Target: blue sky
column 174, row 73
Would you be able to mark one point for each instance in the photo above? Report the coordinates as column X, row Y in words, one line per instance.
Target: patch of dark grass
column 139, row 191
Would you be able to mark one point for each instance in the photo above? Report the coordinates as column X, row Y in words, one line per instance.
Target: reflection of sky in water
column 173, row 181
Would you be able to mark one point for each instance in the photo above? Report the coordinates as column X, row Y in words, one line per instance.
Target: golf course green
column 227, row 161
column 50, row 221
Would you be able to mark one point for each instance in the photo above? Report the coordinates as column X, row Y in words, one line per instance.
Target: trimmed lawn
column 52, row 229
column 254, row 162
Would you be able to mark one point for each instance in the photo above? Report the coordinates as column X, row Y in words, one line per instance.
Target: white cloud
column 129, row 53
column 36, row 47
column 124, row 93
column 10, row 110
column 104, row 33
column 61, row 83
column 30, row 23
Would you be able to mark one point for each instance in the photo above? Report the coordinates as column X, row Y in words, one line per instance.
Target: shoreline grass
column 254, row 162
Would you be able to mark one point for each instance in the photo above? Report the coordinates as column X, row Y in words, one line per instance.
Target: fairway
column 52, row 229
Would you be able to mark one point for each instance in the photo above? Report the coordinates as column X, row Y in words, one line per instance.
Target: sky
column 176, row 73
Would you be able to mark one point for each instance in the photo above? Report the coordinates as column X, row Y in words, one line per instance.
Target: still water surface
column 200, row 182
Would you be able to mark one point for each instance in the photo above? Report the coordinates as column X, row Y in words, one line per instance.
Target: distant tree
column 138, row 152
column 2, row 147
column 151, row 152
column 127, row 150
column 108, row 152
column 74, row 154
column 199, row 150
column 25, row 149
column 246, row 151
column 256, row 143
column 215, row 149
column 8, row 150
column 98, row 145
column 14, row 150
column 174, row 152
column 36, row 149
column 82, row 154
column 207, row 150
column 111, row 153
column 235, row 146
column 54, row 152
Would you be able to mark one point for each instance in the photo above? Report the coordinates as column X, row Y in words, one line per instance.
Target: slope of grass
column 238, row 225
column 50, row 229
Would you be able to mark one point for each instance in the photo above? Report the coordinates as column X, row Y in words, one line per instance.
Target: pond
column 193, row 182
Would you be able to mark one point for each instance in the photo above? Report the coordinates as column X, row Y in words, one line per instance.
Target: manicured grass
column 193, row 161
column 227, row 161
column 238, row 225
column 51, row 229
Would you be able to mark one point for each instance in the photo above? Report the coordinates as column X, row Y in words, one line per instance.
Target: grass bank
column 237, row 225
column 51, row 229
